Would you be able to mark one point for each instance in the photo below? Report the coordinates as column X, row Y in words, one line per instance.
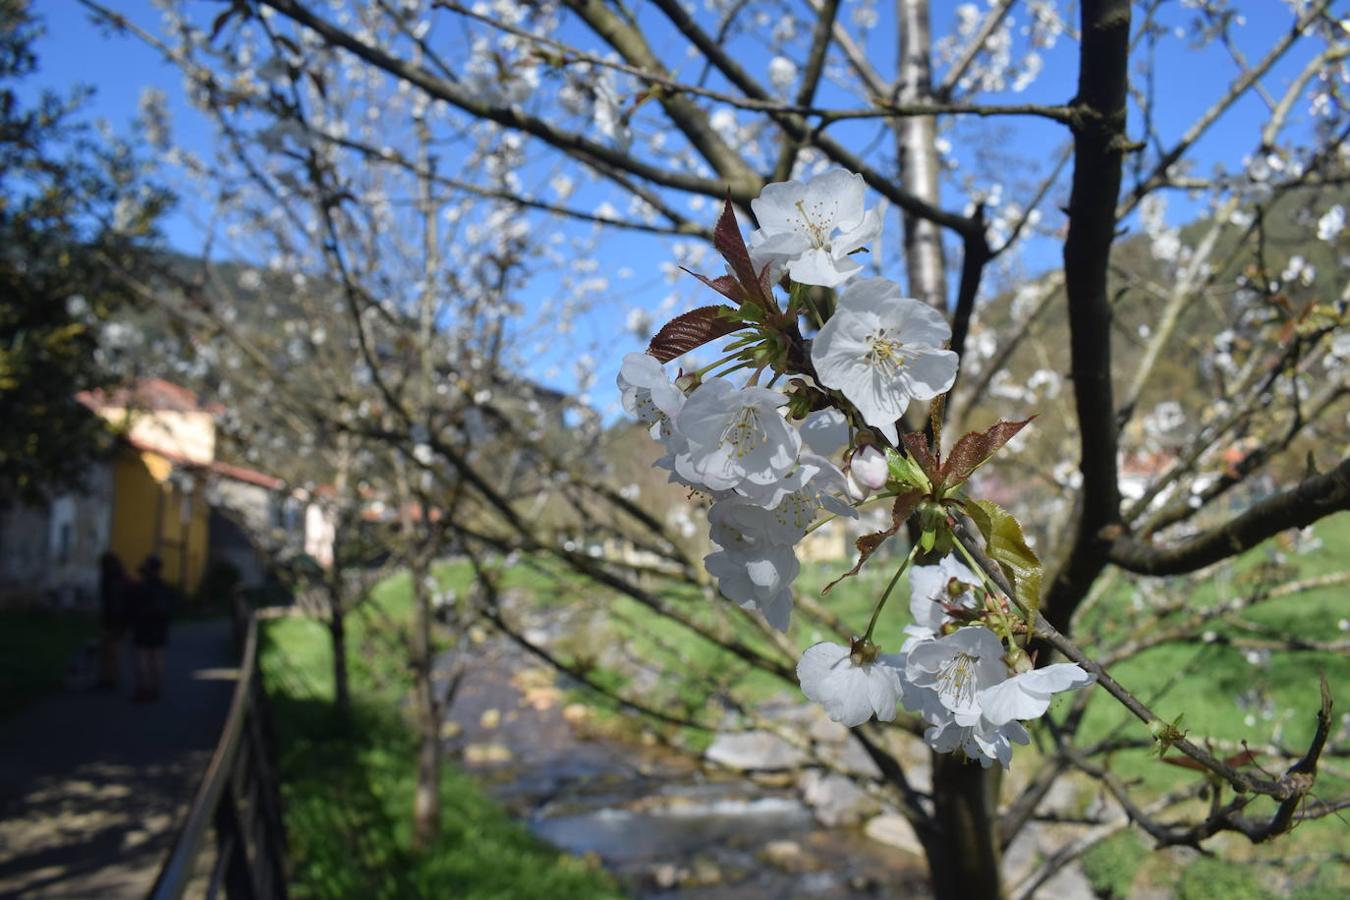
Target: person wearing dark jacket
column 150, row 630
column 114, row 587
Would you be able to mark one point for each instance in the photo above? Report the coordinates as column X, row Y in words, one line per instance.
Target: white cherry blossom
column 825, row 431
column 869, row 467
column 772, row 494
column 984, row 741
column 930, row 597
column 1027, row 696
column 882, row 349
column 735, row 522
column 957, row 667
column 1331, row 224
column 646, row 393
column 735, row 436
column 851, row 687
column 757, row 575
column 812, row 228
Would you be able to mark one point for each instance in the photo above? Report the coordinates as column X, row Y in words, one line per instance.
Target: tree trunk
column 337, row 585
column 963, row 859
column 337, row 632
column 427, row 798
column 917, row 147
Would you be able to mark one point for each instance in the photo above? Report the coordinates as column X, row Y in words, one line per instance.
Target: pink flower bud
column 869, row 468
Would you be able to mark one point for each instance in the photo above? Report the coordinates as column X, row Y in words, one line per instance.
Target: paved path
column 92, row 786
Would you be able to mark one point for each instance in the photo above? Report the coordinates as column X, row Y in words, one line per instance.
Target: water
column 665, row 827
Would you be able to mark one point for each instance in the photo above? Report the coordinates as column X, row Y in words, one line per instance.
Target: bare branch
column 1314, row 498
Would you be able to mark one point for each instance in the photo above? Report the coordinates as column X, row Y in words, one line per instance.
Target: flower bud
column 857, row 492
column 869, row 467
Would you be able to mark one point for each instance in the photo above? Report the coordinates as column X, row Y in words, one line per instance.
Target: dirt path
column 93, row 786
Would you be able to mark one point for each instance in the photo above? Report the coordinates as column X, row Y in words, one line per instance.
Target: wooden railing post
column 238, row 798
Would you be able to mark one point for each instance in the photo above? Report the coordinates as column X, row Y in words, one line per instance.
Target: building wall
column 160, row 512
column 253, row 506
column 247, row 522
column 49, row 554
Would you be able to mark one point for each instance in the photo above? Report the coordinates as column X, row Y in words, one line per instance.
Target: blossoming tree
column 835, row 386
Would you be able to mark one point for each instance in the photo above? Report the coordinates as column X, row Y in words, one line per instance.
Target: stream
column 666, row 827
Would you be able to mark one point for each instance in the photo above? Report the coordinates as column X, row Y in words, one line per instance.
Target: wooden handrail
column 250, row 866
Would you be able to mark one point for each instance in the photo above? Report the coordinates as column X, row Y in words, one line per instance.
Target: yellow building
column 159, row 505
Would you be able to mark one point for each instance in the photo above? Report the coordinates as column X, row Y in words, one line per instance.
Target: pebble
column 487, row 754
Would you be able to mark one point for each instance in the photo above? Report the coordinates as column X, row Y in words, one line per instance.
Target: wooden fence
column 233, row 838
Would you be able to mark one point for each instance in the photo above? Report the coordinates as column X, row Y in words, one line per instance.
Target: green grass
column 1224, row 695
column 1205, row 879
column 1111, row 865
column 36, row 649
column 348, row 793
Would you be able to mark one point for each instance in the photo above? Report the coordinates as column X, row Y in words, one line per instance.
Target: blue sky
column 76, row 51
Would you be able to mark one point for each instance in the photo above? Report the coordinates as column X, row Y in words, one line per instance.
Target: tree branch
column 1312, row 499
column 1099, row 145
column 575, row 145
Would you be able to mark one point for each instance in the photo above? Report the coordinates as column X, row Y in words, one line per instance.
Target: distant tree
column 72, row 200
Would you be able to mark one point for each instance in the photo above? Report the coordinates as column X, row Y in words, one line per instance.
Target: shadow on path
column 92, row 786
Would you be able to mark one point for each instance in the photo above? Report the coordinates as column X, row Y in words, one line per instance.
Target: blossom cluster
column 772, row 460
column 953, row 671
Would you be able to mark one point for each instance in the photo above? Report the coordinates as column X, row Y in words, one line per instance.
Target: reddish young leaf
column 692, row 329
column 726, row 285
column 868, row 543
column 728, row 241
column 975, row 448
column 917, row 445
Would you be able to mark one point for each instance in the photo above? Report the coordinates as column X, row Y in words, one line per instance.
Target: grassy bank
column 348, row 794
column 1227, row 688
column 36, row 649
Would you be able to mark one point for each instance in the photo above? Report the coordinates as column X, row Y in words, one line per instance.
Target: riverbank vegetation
column 1234, row 692
column 347, row 793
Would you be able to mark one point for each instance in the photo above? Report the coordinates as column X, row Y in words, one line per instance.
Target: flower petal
column 1006, row 701
column 834, row 199
column 818, row 267
column 929, row 372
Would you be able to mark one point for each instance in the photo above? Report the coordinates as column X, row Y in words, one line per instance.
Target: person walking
column 114, row 588
column 150, row 630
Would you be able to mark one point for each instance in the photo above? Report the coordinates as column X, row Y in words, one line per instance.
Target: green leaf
column 1165, row 734
column 906, row 471
column 1006, row 545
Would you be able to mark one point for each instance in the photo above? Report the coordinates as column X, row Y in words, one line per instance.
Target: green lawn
column 36, row 649
column 348, row 795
